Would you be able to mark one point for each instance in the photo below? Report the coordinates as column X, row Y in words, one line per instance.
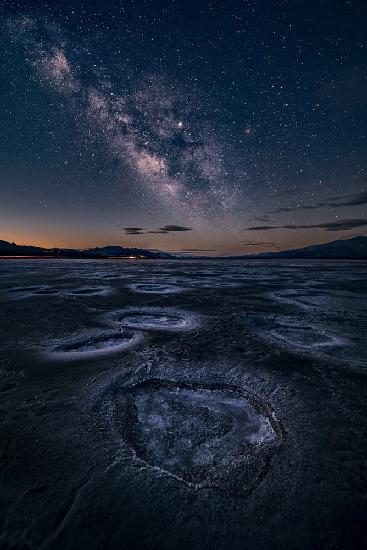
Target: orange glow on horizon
column 169, row 243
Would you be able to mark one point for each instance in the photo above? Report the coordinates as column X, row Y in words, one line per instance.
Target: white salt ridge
column 147, row 318
column 322, row 300
column 89, row 291
column 306, row 337
column 95, row 344
column 153, row 288
column 193, row 434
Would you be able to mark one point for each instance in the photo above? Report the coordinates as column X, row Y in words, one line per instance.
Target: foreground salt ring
column 201, row 435
column 154, row 318
column 95, row 344
column 155, row 288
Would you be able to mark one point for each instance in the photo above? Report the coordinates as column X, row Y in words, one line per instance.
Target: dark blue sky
column 189, row 122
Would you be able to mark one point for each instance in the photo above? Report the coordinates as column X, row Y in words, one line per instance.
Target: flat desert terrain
column 183, row 404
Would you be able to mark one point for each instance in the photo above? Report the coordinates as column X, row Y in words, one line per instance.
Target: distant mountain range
column 354, row 248
column 12, row 249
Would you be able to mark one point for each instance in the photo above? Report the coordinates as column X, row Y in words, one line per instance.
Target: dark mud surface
column 198, row 404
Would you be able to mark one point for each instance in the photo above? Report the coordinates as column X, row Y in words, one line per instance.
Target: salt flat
column 183, row 404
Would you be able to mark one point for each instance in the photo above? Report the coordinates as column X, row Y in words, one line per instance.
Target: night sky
column 203, row 127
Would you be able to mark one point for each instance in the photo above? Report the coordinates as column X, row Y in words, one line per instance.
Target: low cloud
column 355, row 199
column 341, row 225
column 133, row 230
column 161, row 231
column 173, row 228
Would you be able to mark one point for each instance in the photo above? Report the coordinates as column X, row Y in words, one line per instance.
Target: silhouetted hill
column 12, row 249
column 355, row 248
column 119, row 251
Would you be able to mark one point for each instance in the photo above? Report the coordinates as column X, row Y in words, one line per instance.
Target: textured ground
column 198, row 404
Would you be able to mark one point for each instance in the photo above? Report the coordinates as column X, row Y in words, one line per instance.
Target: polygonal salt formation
column 96, row 344
column 152, row 288
column 89, row 291
column 195, row 433
column 148, row 318
column 305, row 337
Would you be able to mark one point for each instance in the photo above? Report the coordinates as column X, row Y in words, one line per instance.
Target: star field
column 221, row 118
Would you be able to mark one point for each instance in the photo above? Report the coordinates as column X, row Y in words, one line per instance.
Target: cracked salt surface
column 25, row 292
column 309, row 335
column 306, row 337
column 95, row 344
column 320, row 299
column 209, row 284
column 195, row 433
column 167, row 319
column 108, row 442
column 329, row 322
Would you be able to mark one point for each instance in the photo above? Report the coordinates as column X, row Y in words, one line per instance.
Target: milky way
column 153, row 125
